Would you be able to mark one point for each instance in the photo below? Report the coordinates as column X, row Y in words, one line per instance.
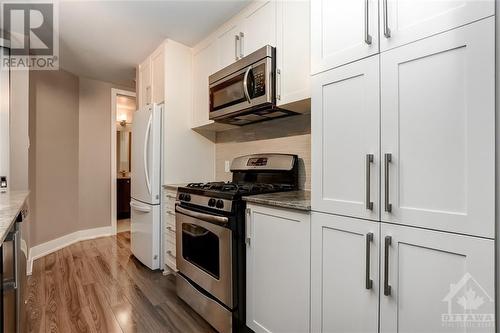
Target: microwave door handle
column 245, row 85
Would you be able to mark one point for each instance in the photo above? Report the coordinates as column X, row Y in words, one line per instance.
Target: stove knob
column 220, row 204
column 187, row 198
column 211, row 202
column 182, row 196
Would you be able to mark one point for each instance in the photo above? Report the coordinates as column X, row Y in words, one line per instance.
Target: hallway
column 97, row 286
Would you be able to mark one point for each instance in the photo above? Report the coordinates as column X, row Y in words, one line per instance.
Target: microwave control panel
column 259, row 75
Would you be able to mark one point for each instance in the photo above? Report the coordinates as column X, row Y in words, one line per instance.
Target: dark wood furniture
column 123, row 198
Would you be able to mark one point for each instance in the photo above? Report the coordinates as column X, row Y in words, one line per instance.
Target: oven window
column 201, row 248
column 227, row 93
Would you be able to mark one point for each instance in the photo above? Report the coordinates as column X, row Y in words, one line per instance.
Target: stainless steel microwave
column 245, row 91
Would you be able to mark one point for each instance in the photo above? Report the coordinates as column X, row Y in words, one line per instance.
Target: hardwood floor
column 98, row 286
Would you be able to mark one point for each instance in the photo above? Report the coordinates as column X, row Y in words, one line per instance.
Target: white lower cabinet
column 345, row 277
column 168, row 217
column 278, row 270
column 429, row 281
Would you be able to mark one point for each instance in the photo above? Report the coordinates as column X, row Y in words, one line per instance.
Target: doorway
column 123, row 109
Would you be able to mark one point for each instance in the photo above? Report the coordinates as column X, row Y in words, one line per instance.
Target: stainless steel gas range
column 210, row 228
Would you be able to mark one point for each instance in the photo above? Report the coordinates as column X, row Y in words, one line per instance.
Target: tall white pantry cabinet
column 403, row 166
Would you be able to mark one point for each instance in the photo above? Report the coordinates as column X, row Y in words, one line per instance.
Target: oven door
column 248, row 88
column 204, row 252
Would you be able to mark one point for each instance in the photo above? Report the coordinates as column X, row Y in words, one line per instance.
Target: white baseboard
column 43, row 249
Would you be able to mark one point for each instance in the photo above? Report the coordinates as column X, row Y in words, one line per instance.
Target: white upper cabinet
column 145, row 83
column 344, row 274
column 293, row 52
column 345, row 140
column 228, row 46
column 438, row 124
column 342, row 31
column 427, row 275
column 158, row 75
column 204, row 64
column 277, row 275
column 405, row 21
column 258, row 27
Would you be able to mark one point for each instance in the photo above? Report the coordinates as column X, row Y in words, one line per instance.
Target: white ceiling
column 104, row 40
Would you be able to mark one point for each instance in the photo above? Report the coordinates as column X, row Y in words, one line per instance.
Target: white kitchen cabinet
column 145, row 83
column 258, row 26
column 342, row 32
column 151, row 85
column 438, row 124
column 228, row 45
column 204, row 65
column 168, row 222
column 345, row 140
column 158, row 75
column 431, row 275
column 278, row 269
column 293, row 52
column 344, row 274
column 410, row 20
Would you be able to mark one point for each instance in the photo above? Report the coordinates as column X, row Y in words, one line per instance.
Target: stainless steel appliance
column 245, row 91
column 13, row 276
column 210, row 226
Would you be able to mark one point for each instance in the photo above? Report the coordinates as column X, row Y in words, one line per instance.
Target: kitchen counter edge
column 11, row 204
column 298, row 200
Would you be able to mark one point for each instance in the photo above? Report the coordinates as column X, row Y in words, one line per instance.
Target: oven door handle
column 245, row 84
column 201, row 216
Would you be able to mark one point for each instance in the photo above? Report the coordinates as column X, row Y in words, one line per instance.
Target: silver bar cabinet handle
column 278, row 74
column 248, row 216
column 387, row 31
column 387, row 161
column 242, row 36
column 387, row 287
column 368, row 38
column 369, row 282
column 369, row 161
column 236, row 39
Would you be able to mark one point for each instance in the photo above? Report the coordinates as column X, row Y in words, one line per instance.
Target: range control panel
column 258, row 161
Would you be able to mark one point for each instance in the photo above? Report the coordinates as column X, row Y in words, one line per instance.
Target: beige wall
column 94, row 190
column 288, row 135
column 70, row 154
column 19, row 120
column 54, row 154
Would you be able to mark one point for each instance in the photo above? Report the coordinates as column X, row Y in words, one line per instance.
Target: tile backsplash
column 288, row 135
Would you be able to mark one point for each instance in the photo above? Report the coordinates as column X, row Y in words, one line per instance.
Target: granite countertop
column 11, row 204
column 173, row 187
column 300, row 200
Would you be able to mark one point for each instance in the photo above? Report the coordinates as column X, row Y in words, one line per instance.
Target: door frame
column 114, row 93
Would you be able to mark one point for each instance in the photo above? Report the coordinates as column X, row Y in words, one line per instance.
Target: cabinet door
column 259, row 27
column 410, row 20
column 278, row 270
column 438, row 124
column 345, row 140
column 293, row 52
column 204, row 64
column 344, row 274
column 432, row 277
column 342, row 32
column 228, row 46
column 145, row 80
column 158, row 75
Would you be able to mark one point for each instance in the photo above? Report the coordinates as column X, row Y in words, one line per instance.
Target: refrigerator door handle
column 146, row 141
column 140, row 208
